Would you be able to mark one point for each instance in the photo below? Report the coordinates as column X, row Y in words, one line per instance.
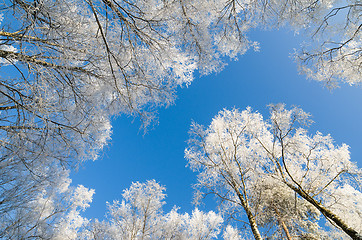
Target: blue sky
column 256, row 79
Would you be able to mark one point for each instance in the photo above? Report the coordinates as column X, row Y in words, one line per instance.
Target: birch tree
column 140, row 216
column 54, row 212
column 277, row 173
column 68, row 66
column 334, row 54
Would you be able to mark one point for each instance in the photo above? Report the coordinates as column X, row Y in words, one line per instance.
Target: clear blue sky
column 256, row 79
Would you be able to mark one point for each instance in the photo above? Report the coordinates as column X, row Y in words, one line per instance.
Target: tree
column 274, row 170
column 332, row 51
column 140, row 216
column 54, row 213
column 68, row 66
column 335, row 54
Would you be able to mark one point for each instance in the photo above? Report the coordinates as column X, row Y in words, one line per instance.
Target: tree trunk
column 327, row 213
column 251, row 218
column 286, row 231
column 282, row 223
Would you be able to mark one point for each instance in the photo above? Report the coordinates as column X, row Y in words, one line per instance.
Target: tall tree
column 140, row 216
column 54, row 212
column 67, row 66
column 335, row 52
column 274, row 170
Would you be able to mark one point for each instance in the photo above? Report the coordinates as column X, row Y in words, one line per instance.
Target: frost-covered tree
column 67, row 66
column 282, row 177
column 335, row 53
column 54, row 213
column 140, row 216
